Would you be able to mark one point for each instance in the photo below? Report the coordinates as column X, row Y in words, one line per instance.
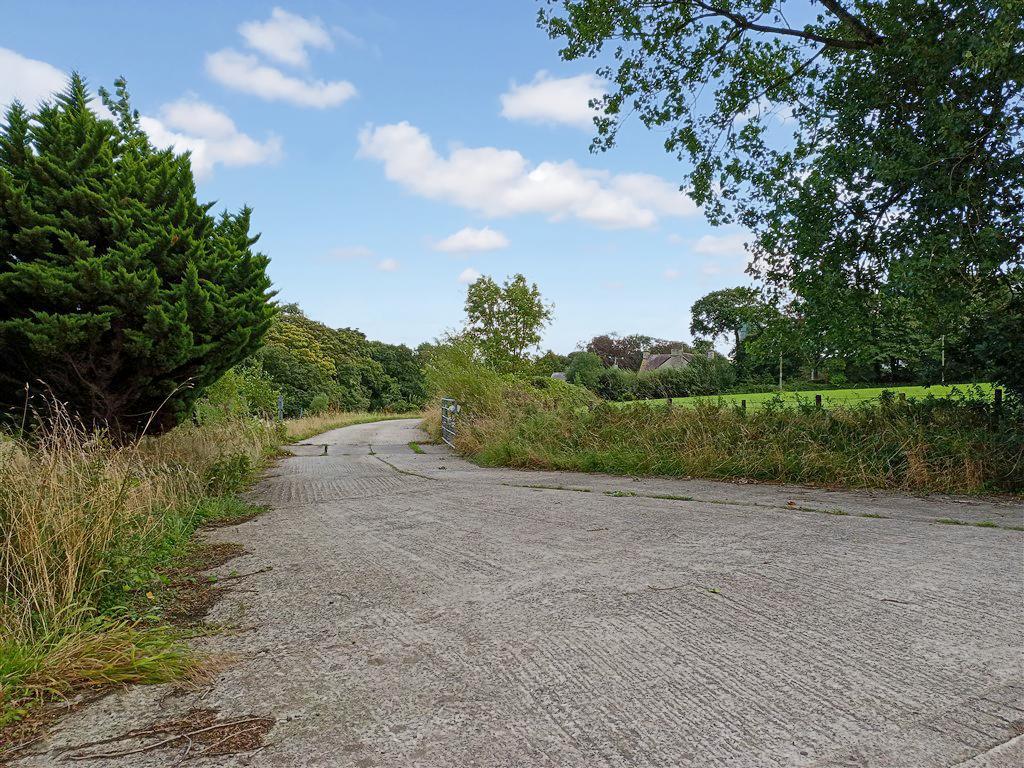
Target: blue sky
column 392, row 150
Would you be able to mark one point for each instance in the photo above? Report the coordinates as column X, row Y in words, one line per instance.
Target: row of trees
column 900, row 348
column 317, row 367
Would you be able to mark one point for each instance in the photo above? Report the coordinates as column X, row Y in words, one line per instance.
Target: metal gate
column 449, row 408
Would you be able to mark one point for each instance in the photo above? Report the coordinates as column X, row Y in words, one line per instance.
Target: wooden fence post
column 817, row 401
column 743, row 404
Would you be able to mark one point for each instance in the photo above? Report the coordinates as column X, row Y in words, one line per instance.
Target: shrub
column 318, row 404
column 585, row 370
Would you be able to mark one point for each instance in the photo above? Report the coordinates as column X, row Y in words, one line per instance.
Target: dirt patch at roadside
column 199, row 733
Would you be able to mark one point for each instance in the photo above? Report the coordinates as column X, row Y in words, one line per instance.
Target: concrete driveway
column 420, row 611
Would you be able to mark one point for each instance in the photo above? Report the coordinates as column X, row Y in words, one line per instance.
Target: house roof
column 654, row 362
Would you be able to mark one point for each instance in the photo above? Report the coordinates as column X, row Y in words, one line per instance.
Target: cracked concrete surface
column 421, row 611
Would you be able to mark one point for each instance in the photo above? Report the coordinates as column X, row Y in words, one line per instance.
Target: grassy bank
column 85, row 528
column 946, row 448
column 935, row 445
column 90, row 530
column 831, row 397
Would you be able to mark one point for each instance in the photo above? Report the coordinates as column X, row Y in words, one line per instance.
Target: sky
column 393, row 151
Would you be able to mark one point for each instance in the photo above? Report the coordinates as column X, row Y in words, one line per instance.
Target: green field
column 831, row 396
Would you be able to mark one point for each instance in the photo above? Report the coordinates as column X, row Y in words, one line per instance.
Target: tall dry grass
column 913, row 447
column 933, row 445
column 78, row 515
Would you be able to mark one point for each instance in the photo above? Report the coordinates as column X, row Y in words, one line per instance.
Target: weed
column 951, row 521
column 986, row 524
column 620, row 494
column 416, row 447
column 836, row 512
column 875, row 516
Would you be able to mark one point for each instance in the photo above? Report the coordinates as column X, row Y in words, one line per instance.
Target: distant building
column 560, row 376
column 677, row 358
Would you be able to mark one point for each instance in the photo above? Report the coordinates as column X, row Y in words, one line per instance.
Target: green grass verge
column 121, row 637
column 855, row 396
column 143, row 504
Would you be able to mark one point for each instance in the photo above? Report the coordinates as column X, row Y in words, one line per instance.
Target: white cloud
column 469, row 239
column 209, row 134
column 245, row 73
column 727, row 253
column 672, row 274
column 388, row 265
column 721, row 245
column 501, row 182
column 285, row 36
column 30, row 81
column 553, row 99
column 468, row 275
column 350, row 252
column 186, row 125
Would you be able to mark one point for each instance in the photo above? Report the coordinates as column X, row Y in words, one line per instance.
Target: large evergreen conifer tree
column 119, row 293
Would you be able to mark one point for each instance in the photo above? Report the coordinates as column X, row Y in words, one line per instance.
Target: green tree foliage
column 728, row 312
column 550, row 362
column 119, row 293
column 401, row 366
column 874, row 147
column 585, row 370
column 305, row 358
column 505, row 321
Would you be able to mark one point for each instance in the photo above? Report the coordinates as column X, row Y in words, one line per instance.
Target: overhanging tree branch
column 868, row 38
column 862, row 29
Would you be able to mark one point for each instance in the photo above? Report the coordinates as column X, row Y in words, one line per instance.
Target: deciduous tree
column 872, row 146
column 726, row 313
column 505, row 320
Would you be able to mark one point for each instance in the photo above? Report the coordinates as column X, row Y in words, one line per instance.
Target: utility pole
column 943, row 358
column 780, row 369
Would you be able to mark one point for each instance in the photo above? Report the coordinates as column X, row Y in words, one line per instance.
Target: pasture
column 854, row 396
